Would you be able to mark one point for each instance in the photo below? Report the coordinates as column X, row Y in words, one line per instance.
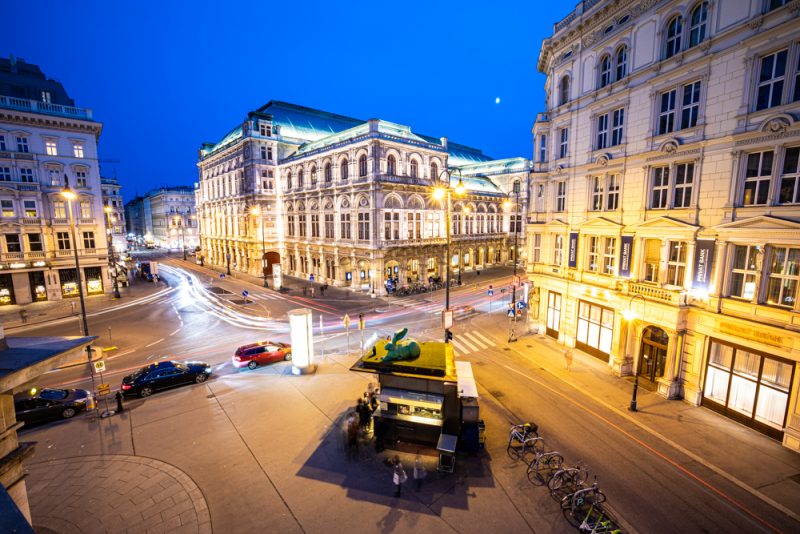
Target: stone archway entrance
column 272, row 259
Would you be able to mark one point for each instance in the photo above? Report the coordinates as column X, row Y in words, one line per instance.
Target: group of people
column 360, row 420
column 399, row 476
column 311, row 289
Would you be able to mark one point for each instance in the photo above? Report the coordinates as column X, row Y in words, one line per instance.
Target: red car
column 256, row 354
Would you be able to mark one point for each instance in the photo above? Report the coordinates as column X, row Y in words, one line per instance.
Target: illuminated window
column 7, row 207
column 59, row 209
column 50, row 147
column 745, row 271
column 86, row 209
column 676, row 264
column 77, row 150
column 784, row 273
column 30, row 208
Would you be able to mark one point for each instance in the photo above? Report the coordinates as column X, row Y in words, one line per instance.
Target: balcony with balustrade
column 675, row 297
column 45, row 108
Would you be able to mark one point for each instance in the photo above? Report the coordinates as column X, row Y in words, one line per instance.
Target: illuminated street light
column 444, row 190
column 630, row 315
column 256, row 211
column 111, row 260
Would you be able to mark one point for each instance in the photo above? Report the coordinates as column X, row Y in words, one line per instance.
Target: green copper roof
column 497, row 166
column 384, row 127
column 306, row 124
column 475, row 184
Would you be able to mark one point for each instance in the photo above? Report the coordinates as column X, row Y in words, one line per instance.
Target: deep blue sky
column 165, row 76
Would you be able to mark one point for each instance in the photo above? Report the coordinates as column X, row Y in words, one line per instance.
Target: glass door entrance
column 653, row 357
column 553, row 313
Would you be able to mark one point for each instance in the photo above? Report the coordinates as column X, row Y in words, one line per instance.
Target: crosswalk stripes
column 469, row 342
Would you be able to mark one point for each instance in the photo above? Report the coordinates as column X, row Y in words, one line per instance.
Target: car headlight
column 207, row 370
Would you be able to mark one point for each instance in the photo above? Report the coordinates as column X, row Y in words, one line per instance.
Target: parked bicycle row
column 580, row 502
column 418, row 288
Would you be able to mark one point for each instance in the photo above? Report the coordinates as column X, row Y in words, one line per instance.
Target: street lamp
column 111, row 261
column 442, row 191
column 507, row 206
column 179, row 220
column 70, row 195
column 630, row 315
column 256, row 211
column 466, row 212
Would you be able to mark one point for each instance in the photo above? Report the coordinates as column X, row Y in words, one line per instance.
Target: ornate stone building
column 666, row 199
column 350, row 202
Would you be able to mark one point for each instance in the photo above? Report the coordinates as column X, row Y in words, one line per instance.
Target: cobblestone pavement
column 114, row 494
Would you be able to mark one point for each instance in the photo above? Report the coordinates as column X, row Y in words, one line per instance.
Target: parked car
column 164, row 375
column 51, row 404
column 260, row 353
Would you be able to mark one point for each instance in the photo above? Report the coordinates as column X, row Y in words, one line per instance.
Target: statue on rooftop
column 397, row 350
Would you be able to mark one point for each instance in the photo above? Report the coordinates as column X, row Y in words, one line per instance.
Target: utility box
column 469, row 410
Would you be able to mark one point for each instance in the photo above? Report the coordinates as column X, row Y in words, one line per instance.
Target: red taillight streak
column 126, row 386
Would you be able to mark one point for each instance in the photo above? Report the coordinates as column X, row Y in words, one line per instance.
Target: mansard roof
column 490, row 167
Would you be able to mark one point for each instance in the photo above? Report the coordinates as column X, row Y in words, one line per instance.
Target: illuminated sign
column 40, row 264
column 18, row 265
column 302, row 336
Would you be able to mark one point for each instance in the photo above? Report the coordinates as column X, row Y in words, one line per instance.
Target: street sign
column 520, row 305
column 447, row 319
column 99, row 366
column 104, row 389
column 245, row 293
column 510, row 313
column 310, row 277
column 491, row 291
column 222, row 275
column 346, row 321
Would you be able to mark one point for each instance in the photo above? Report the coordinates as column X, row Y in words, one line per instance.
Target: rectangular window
column 26, row 175
column 387, row 226
column 55, row 176
column 690, row 106
column 77, row 150
column 602, row 131
column 30, row 208
column 790, row 177
column 676, row 264
column 80, row 178
column 595, row 329
column 745, row 271
column 263, row 152
column 564, row 142
column 612, row 200
column 558, row 250
column 62, row 240
column 363, row 226
column 593, row 254
column 666, row 115
column 5, row 174
column 617, row 126
column 7, row 207
column 537, row 248
column 22, row 144
column 13, row 243
column 758, row 174
column 265, row 129
column 795, row 97
column 301, row 225
column 561, row 196
column 542, row 148
column 50, row 147
column 86, row 209
column 269, row 153
column 784, row 272
column 410, row 225
column 88, row 240
column 290, row 224
column 344, row 224
column 314, row 225
column 660, row 190
column 597, row 193
column 329, row 226
column 59, row 209
column 35, row 242
column 418, row 225
column 609, row 254
column 772, row 71
column 684, row 180
column 3, row 143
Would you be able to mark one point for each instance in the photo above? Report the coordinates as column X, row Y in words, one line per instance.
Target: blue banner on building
column 572, row 259
column 625, row 256
column 703, row 260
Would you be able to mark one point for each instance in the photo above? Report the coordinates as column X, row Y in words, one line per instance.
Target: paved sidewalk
column 724, row 446
column 43, row 312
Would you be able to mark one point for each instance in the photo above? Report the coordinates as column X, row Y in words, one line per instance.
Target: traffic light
column 448, row 335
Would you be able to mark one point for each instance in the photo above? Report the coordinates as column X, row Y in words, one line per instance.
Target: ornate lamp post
column 112, row 263
column 441, row 191
column 178, row 219
column 256, row 211
column 630, row 315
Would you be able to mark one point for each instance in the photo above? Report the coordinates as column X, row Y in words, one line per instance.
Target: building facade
column 349, row 202
column 115, row 220
column 173, row 217
column 135, row 220
column 666, row 200
column 46, row 142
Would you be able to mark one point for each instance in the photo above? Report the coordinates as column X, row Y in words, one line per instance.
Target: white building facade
column 666, row 200
column 173, row 217
column 349, row 202
column 44, row 143
column 115, row 220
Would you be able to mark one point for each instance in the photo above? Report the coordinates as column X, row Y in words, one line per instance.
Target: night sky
column 165, row 76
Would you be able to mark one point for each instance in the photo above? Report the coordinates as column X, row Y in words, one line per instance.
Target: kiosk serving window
column 412, row 406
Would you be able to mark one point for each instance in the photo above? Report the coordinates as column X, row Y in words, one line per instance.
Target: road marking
column 458, row 348
column 175, row 331
column 121, row 354
column 475, row 339
column 668, row 441
column 466, row 343
column 484, row 338
column 154, row 342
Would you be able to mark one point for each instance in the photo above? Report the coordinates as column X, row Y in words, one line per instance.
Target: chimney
column 373, row 125
column 444, row 142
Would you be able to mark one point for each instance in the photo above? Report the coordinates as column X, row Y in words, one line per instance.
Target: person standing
column 567, row 357
column 398, row 476
column 312, row 292
column 419, row 472
column 23, row 315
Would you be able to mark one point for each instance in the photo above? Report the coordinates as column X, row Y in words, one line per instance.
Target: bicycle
column 544, row 466
column 597, row 521
column 523, row 437
column 575, row 504
column 567, row 480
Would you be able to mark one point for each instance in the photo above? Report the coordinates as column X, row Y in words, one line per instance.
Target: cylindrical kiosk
column 302, row 333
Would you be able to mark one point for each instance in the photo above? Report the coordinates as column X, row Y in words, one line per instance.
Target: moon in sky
column 497, row 100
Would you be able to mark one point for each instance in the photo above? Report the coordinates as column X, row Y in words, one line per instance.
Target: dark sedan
column 164, row 375
column 51, row 404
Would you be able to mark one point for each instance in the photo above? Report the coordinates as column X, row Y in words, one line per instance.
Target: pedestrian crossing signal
column 448, row 336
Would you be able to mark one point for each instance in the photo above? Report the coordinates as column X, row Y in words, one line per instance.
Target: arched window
column 344, row 169
column 391, row 165
column 516, row 186
column 328, row 173
column 697, row 24
column 313, row 175
column 563, row 91
column 300, row 178
column 605, row 71
column 362, row 165
column 674, row 32
column 289, row 180
column 622, row 62
column 434, row 171
column 414, row 168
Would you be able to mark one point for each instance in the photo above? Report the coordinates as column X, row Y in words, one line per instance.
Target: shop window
column 6, row 290
column 69, row 282
column 595, row 329
column 94, row 280
column 38, row 288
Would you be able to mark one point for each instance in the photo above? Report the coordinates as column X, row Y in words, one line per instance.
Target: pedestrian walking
column 364, row 415
column 312, row 292
column 373, row 401
column 23, row 315
column 419, row 472
column 567, row 357
column 399, row 476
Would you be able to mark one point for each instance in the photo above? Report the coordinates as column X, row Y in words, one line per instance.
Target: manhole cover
column 219, row 291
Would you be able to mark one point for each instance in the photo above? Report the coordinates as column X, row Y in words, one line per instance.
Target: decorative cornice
column 676, row 154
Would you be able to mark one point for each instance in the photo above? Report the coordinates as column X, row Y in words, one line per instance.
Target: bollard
column 120, row 407
column 109, row 335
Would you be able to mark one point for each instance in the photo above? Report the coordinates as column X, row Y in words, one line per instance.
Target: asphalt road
column 654, row 487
